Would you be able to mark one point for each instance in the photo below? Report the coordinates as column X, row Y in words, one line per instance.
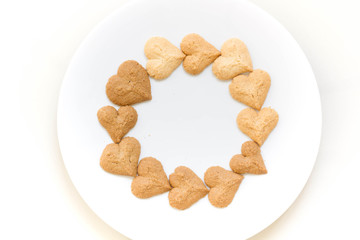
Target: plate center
column 190, row 121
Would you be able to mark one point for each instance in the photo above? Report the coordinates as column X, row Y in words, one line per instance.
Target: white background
column 38, row 39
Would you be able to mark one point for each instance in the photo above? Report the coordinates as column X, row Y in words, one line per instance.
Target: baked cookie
column 234, row 60
column 163, row 57
column 151, row 179
column 251, row 89
column 188, row 188
column 249, row 161
column 257, row 125
column 122, row 158
column 117, row 123
column 223, row 185
column 130, row 85
column 199, row 53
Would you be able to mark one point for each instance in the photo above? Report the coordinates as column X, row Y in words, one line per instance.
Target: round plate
column 191, row 119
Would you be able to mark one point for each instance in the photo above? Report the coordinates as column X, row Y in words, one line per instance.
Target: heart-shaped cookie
column 223, row 185
column 251, row 89
column 163, row 57
column 234, row 60
column 121, row 158
column 117, row 123
column 199, row 53
column 257, row 125
column 188, row 188
column 130, row 85
column 151, row 179
column 249, row 161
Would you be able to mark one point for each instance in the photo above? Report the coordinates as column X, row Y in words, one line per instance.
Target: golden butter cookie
column 151, row 179
column 188, row 188
column 249, row 161
column 251, row 89
column 117, row 123
column 223, row 185
column 257, row 125
column 131, row 84
column 234, row 60
column 121, row 158
column 199, row 53
column 163, row 57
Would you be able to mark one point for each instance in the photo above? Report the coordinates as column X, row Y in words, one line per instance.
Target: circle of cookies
column 132, row 85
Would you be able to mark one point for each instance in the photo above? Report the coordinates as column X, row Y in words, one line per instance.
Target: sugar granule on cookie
column 188, row 188
column 163, row 57
column 117, row 123
column 223, row 185
column 257, row 125
column 151, row 179
column 199, row 53
column 234, row 60
column 122, row 158
column 251, row 89
column 249, row 161
column 130, row 85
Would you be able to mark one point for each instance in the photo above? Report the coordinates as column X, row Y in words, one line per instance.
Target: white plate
column 191, row 120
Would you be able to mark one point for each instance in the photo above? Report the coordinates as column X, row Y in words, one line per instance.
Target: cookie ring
column 131, row 85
